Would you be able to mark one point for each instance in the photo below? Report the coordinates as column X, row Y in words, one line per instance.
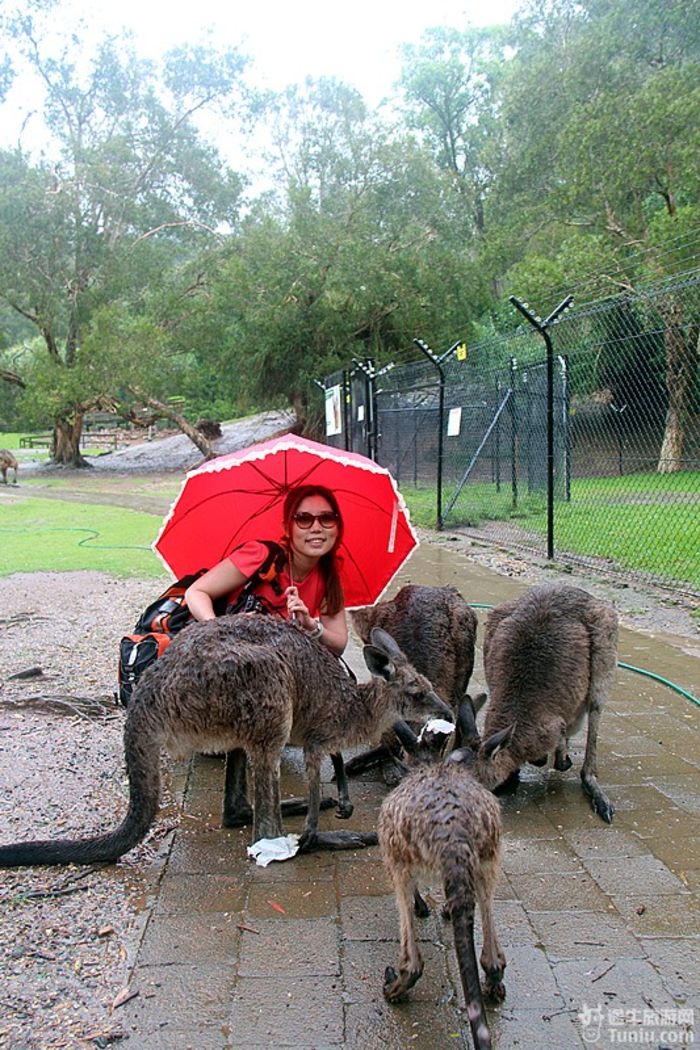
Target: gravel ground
column 66, row 933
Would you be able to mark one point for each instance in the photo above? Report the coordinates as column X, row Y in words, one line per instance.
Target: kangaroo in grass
column 436, row 629
column 255, row 682
column 7, row 462
column 549, row 660
column 440, row 818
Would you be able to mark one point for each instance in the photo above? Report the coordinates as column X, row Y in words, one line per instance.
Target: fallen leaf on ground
column 123, row 997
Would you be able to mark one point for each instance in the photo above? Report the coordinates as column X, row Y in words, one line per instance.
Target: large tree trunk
column 681, row 368
column 66, row 442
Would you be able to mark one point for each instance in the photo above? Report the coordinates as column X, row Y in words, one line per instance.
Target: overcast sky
column 356, row 41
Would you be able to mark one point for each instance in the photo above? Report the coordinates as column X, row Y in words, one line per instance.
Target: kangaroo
column 8, row 462
column 436, row 629
column 549, row 660
column 259, row 683
column 441, row 819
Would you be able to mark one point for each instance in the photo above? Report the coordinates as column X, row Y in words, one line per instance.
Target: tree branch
column 195, row 436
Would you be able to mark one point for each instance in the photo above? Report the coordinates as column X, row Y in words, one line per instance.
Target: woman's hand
column 335, row 629
column 298, row 610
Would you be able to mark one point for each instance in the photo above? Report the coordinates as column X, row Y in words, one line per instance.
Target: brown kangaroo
column 549, row 660
column 441, row 819
column 259, row 683
column 8, row 462
column 436, row 629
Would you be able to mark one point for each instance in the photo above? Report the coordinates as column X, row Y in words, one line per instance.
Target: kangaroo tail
column 459, row 892
column 141, row 748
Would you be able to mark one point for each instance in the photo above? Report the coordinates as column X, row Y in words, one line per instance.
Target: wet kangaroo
column 441, row 819
column 549, row 659
column 7, row 462
column 258, row 683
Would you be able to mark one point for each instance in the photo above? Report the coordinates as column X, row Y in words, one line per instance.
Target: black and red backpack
column 168, row 614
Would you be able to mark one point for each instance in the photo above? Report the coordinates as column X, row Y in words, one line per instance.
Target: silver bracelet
column 317, row 631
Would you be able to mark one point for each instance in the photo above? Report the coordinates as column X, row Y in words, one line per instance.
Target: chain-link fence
column 470, row 432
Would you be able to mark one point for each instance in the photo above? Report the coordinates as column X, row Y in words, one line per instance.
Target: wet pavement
column 600, row 924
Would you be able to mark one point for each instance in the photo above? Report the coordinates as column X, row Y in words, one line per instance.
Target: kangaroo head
column 473, row 751
column 413, row 696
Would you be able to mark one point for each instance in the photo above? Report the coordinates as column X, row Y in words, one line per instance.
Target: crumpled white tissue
column 265, row 850
column 437, row 725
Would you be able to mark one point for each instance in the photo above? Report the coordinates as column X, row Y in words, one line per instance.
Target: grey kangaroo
column 440, row 818
column 549, row 660
column 7, row 462
column 255, row 682
column 436, row 629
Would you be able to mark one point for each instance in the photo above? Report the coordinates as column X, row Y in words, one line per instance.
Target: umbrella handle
column 293, row 617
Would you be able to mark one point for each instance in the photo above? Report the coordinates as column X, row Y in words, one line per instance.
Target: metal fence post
column 543, row 328
column 437, row 362
column 513, row 435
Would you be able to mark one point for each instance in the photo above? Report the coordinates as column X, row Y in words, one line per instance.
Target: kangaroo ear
column 378, row 662
column 381, row 640
column 467, row 732
column 479, row 701
column 407, row 738
column 498, row 742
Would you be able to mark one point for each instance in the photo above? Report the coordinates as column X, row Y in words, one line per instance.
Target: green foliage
column 115, row 223
column 559, row 155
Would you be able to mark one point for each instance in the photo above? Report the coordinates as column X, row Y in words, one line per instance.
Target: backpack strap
column 274, row 562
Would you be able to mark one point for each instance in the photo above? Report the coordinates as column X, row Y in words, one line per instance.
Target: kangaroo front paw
column 308, row 842
column 345, row 809
column 604, row 809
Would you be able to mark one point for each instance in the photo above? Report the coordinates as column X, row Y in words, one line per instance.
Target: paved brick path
column 236, row 956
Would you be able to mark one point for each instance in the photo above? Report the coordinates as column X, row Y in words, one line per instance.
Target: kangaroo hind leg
column 410, row 961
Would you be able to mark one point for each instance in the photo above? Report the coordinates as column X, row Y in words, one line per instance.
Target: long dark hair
column 328, row 563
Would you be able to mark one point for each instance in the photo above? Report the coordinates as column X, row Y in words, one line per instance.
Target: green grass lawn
column 41, row 535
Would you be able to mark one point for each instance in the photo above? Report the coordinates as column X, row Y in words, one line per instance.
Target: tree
column 450, row 84
column 131, row 193
column 601, row 145
column 360, row 253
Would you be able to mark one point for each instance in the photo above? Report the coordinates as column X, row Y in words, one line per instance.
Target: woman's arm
column 335, row 632
column 220, row 580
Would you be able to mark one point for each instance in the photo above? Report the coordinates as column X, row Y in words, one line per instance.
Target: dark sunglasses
column 327, row 518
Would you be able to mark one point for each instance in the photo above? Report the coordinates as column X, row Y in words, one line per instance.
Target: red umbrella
column 239, row 497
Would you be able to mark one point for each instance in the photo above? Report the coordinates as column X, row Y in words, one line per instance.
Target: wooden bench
column 36, row 441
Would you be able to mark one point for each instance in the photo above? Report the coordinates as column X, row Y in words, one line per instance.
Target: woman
column 310, row 590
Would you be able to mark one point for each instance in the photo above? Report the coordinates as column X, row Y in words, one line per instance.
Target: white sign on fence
column 454, row 422
column 334, row 417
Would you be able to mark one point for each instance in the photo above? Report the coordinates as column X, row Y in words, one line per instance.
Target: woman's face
column 316, row 539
